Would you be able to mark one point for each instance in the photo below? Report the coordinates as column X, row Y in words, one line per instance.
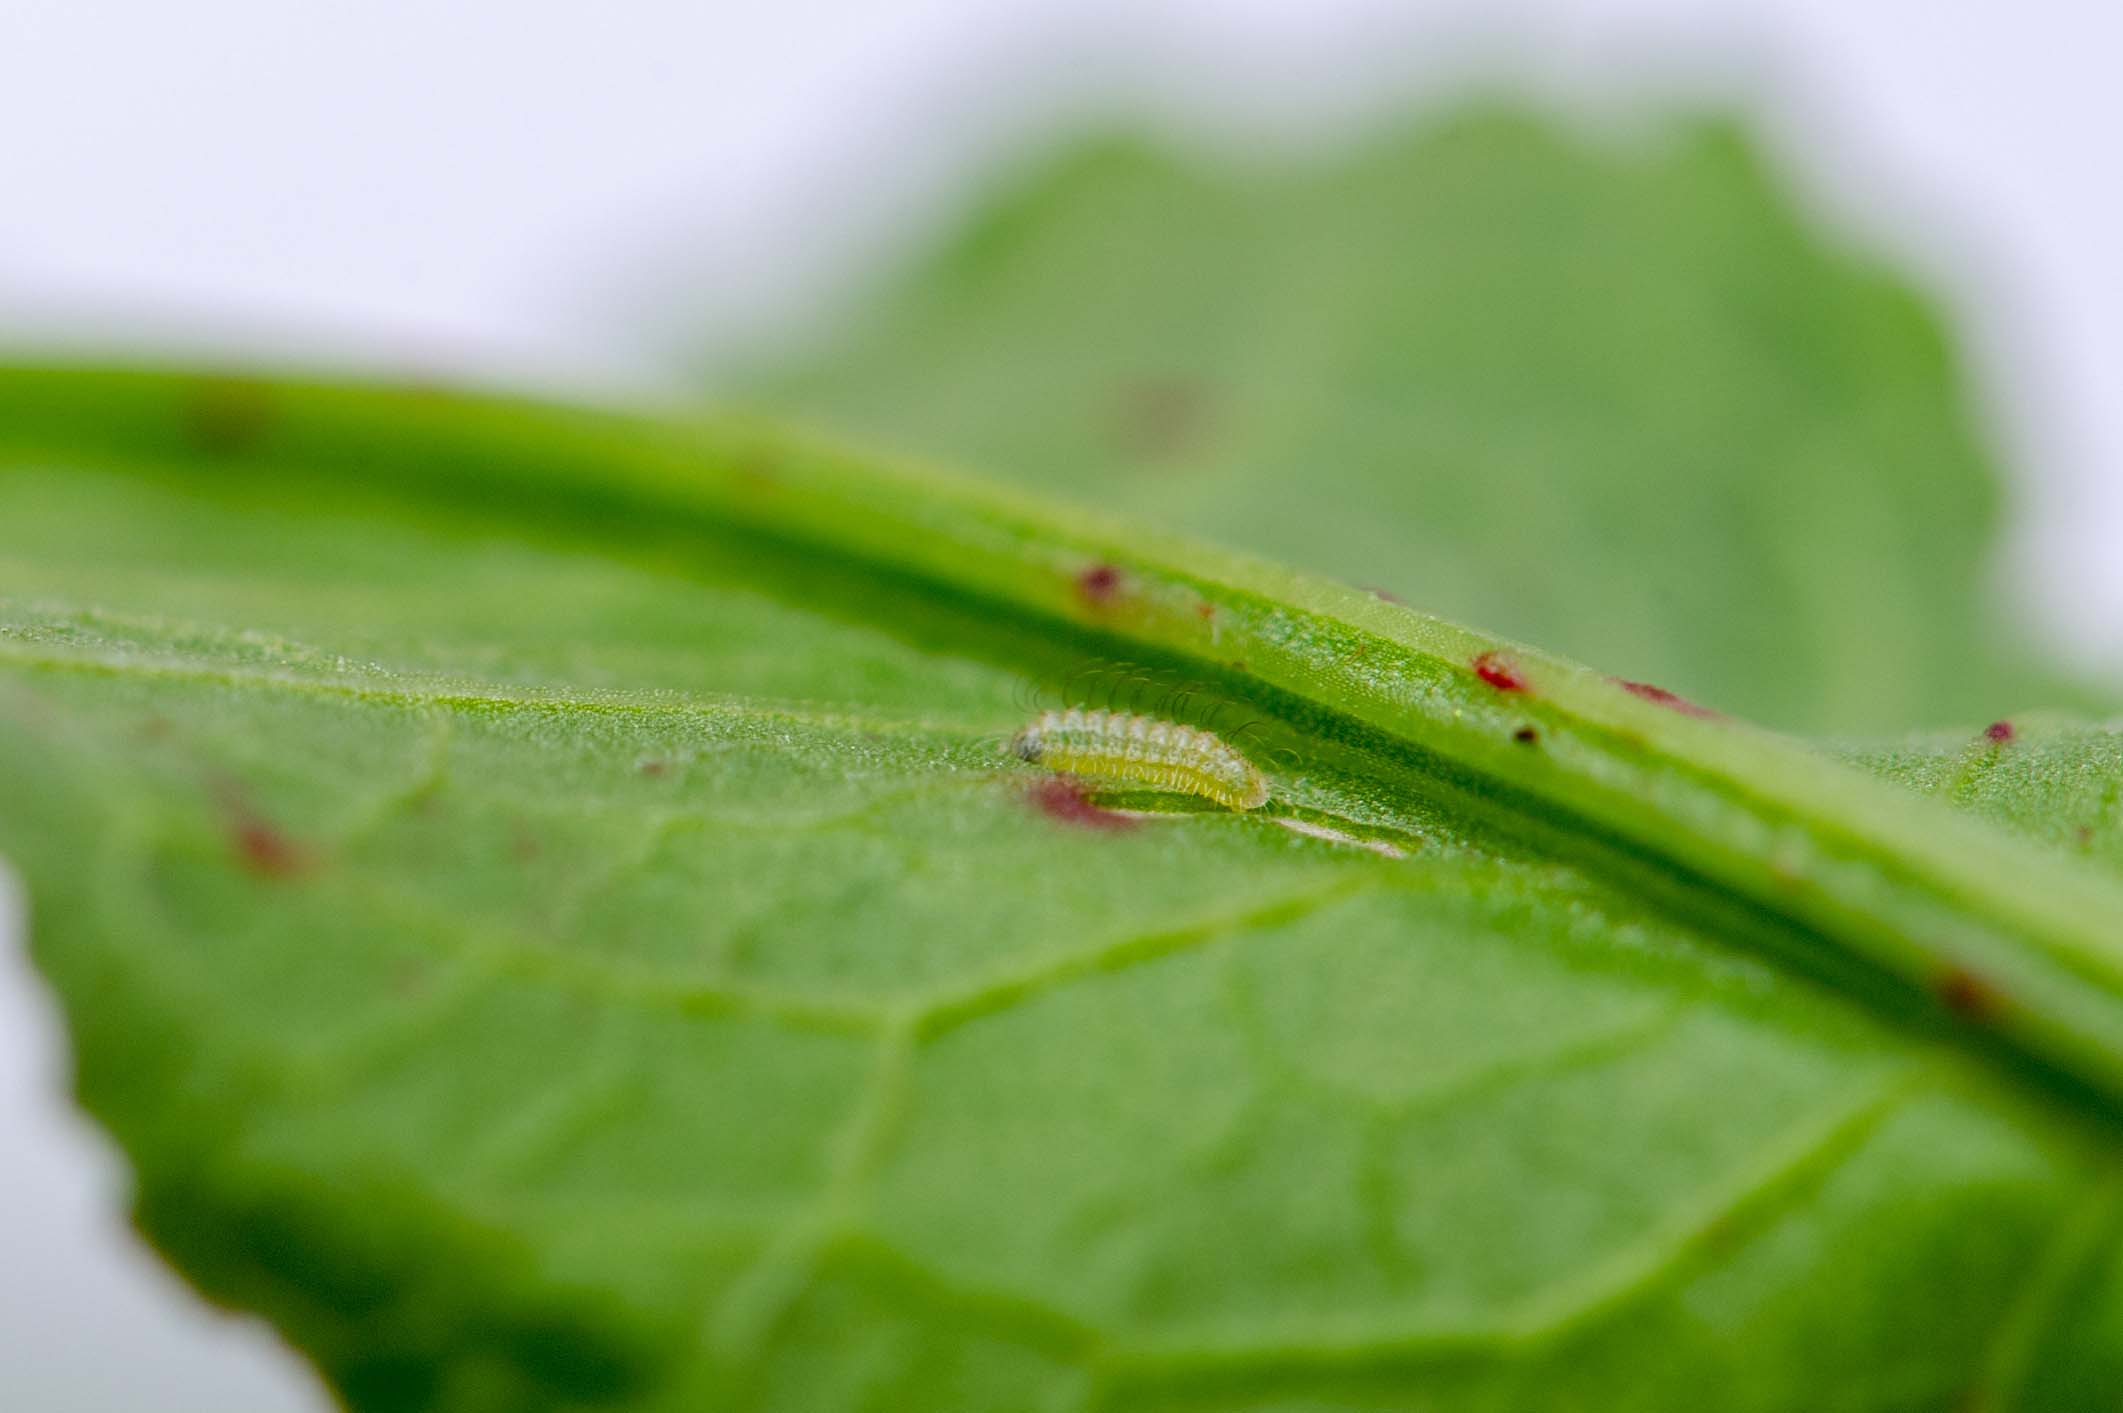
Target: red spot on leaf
column 1387, row 594
column 1205, row 610
column 1062, row 798
column 1526, row 736
column 1967, row 995
column 1499, row 672
column 264, row 850
column 1099, row 585
column 1999, row 733
column 227, row 416
column 259, row 845
column 654, row 768
column 1664, row 698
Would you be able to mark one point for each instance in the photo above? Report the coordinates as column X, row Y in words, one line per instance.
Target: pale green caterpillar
column 1143, row 750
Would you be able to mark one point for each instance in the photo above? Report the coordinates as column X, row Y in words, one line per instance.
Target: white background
column 565, row 194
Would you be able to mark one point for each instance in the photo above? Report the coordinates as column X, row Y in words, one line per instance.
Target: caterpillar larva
column 1143, row 750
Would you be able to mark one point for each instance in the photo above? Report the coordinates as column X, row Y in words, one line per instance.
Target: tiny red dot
column 1499, row 673
column 264, row 850
column 1099, row 583
column 1663, row 697
column 1967, row 995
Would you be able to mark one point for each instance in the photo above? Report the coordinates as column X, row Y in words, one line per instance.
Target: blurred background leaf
column 1619, row 398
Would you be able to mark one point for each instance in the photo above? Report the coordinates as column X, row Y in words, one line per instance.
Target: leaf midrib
column 1896, row 882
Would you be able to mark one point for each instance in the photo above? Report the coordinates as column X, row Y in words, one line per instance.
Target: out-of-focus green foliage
column 1614, row 397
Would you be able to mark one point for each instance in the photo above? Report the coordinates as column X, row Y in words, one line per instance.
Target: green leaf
column 2044, row 775
column 542, row 900
column 1612, row 397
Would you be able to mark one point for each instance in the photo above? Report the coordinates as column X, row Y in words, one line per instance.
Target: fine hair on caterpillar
column 1124, row 688
column 1137, row 749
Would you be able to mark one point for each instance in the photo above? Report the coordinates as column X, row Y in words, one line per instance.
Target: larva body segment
column 1143, row 750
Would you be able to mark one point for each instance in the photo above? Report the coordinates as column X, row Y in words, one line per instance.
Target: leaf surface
column 542, row 900
column 2046, row 776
